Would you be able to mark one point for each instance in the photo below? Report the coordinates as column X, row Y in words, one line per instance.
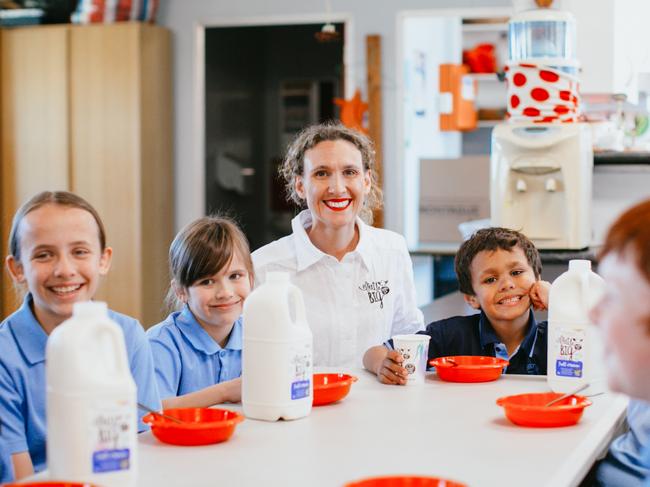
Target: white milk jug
column 575, row 347
column 91, row 401
column 277, row 363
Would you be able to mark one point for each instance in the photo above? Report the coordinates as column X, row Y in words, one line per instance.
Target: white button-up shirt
column 353, row 304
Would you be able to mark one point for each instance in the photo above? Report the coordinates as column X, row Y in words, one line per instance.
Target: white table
column 444, row 429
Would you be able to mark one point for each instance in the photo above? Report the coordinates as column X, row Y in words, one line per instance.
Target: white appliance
column 541, row 182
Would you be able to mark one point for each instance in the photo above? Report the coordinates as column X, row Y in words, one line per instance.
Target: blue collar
column 488, row 336
column 199, row 338
column 29, row 334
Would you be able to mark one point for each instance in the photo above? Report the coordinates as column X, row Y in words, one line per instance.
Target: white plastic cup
column 414, row 350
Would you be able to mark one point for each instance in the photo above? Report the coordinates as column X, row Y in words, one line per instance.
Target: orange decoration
column 481, row 59
column 352, row 111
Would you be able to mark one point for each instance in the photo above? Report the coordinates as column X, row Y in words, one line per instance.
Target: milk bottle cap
column 89, row 308
column 579, row 265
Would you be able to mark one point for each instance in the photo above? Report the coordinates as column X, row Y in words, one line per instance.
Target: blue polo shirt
column 624, row 464
column 474, row 335
column 22, row 383
column 188, row 359
column 645, row 459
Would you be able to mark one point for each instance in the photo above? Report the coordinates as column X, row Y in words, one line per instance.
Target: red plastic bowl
column 530, row 410
column 404, row 481
column 329, row 388
column 51, row 484
column 469, row 368
column 202, row 426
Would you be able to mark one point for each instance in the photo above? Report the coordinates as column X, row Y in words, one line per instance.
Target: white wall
column 632, row 49
column 438, row 39
column 368, row 17
column 611, row 46
column 594, row 43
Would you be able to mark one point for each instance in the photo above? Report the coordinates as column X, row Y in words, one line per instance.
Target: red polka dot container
column 540, row 94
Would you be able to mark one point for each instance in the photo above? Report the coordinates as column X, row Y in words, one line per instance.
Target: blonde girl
column 57, row 255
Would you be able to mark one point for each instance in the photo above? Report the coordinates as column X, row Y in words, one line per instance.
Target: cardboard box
column 452, row 191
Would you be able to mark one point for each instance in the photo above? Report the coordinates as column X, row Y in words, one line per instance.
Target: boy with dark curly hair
column 499, row 274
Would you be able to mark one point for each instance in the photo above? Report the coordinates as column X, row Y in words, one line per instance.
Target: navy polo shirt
column 474, row 335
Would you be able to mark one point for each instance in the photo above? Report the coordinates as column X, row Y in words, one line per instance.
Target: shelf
column 487, row 123
column 428, row 248
column 484, row 77
column 497, row 27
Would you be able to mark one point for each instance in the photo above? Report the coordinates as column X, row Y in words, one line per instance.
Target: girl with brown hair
column 197, row 349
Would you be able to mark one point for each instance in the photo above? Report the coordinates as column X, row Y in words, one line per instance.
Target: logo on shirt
column 376, row 291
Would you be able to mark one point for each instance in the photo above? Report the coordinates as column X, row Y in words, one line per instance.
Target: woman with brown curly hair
column 357, row 280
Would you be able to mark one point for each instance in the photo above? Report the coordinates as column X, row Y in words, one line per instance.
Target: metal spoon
column 163, row 415
column 568, row 394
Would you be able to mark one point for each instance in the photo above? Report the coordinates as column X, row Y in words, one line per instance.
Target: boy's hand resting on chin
column 538, row 293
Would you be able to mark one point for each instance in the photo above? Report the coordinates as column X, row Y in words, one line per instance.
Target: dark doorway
column 262, row 85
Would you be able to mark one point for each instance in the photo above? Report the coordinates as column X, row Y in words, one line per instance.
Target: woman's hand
column 390, row 370
column 386, row 364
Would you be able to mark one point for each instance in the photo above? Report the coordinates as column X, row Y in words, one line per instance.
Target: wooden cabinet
column 88, row 109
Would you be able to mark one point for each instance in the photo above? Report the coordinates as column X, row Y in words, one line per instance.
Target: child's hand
column 538, row 293
column 232, row 390
column 390, row 370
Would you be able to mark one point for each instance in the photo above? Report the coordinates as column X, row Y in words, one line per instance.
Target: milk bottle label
column 111, row 436
column 301, row 371
column 570, row 355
